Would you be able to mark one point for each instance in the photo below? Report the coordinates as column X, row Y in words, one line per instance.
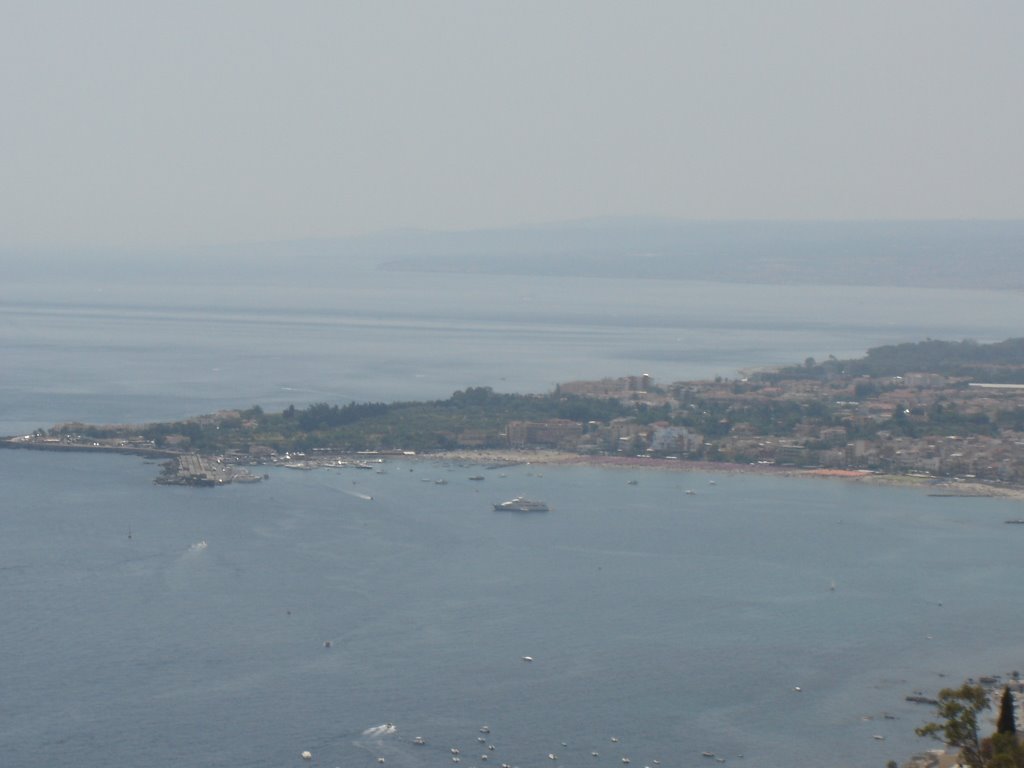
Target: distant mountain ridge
column 940, row 254
column 932, row 254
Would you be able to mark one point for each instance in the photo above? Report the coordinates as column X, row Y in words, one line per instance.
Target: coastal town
column 946, row 421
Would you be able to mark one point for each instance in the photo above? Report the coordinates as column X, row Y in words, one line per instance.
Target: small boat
column 1008, row 522
column 419, row 741
column 520, row 504
column 485, row 729
column 632, row 482
column 477, row 477
column 625, row 761
column 306, row 755
column 527, row 658
column 690, row 492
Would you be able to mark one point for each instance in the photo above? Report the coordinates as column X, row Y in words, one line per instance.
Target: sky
column 171, row 123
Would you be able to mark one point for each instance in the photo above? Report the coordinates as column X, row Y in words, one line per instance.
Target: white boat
column 520, row 504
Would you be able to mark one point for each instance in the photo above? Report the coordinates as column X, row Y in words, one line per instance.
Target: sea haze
column 676, row 623
column 146, row 346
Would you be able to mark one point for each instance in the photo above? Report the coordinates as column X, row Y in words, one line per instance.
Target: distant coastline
column 930, row 412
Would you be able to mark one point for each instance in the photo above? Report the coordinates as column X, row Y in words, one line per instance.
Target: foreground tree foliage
column 1007, row 717
column 958, row 711
column 1003, row 750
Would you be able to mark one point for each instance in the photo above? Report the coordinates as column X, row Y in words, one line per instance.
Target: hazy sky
column 128, row 123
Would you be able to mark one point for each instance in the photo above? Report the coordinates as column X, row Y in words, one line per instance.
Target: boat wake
column 363, row 496
column 381, row 730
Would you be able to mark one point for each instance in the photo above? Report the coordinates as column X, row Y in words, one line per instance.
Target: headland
column 949, row 415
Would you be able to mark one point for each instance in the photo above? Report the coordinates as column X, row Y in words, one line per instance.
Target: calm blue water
column 674, row 623
column 108, row 352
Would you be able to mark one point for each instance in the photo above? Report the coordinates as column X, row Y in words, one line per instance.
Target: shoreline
column 496, row 457
column 940, row 487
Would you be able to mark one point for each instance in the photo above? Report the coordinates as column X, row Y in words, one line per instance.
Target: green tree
column 1007, row 717
column 1005, row 751
column 958, row 709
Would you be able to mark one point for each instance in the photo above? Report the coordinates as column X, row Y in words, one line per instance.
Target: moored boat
column 520, row 504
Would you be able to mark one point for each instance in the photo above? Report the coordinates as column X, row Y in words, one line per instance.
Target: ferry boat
column 519, row 504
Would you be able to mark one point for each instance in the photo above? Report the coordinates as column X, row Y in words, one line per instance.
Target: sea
column 651, row 616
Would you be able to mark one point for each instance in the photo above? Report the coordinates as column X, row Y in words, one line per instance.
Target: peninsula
column 932, row 409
